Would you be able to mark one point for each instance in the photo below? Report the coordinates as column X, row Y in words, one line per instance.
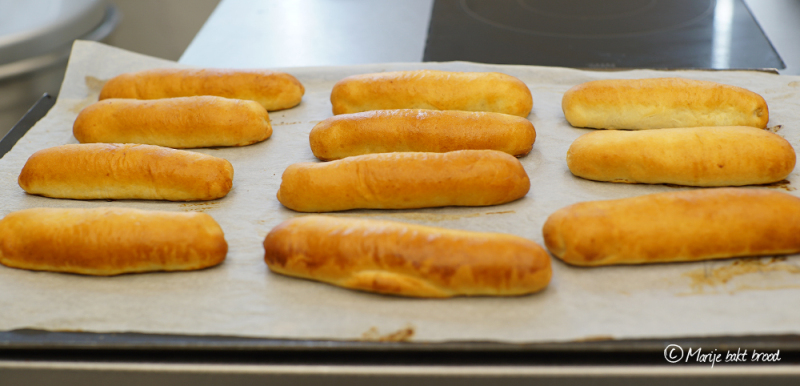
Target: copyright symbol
column 671, row 355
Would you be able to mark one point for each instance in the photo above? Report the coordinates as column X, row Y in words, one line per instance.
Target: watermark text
column 674, row 353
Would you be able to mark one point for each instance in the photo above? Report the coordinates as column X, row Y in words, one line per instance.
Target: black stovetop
column 719, row 34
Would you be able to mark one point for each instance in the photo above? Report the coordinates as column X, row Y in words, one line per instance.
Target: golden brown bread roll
column 110, row 241
column 273, row 90
column 125, row 171
column 661, row 103
column 433, row 90
column 681, row 226
column 187, row 122
column 698, row 156
column 404, row 180
column 386, row 131
column 403, row 259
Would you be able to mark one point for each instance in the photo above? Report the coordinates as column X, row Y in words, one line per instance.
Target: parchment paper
column 242, row 298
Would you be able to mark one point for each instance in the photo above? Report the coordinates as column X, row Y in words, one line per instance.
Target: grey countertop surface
column 299, row 33
column 780, row 21
column 263, row 33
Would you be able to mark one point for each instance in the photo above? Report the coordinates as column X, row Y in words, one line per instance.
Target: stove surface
column 704, row 34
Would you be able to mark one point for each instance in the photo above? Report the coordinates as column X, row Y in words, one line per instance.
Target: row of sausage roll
column 412, row 260
column 121, row 154
column 118, row 159
column 214, row 107
column 709, row 134
column 378, row 256
column 692, row 156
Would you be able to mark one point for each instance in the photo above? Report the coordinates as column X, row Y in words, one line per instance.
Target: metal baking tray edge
column 37, row 112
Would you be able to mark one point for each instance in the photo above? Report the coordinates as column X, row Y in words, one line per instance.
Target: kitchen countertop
column 303, row 33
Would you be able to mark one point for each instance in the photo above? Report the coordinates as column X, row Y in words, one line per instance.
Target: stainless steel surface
column 24, row 81
column 689, row 34
column 263, row 33
column 26, row 373
column 780, row 21
column 160, row 28
column 37, row 27
column 58, row 56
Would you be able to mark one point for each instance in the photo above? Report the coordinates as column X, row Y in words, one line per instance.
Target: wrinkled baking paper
column 242, row 298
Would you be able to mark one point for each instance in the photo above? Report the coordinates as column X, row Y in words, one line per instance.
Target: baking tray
column 37, row 112
column 29, row 344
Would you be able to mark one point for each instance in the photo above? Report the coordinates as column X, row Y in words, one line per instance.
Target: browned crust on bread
column 677, row 226
column 404, row 259
column 386, row 131
column 404, row 180
column 273, row 90
column 432, row 90
column 698, row 156
column 661, row 103
column 125, row 171
column 110, row 241
column 186, row 122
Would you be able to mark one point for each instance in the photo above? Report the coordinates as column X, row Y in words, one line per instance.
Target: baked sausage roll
column 403, row 259
column 188, row 122
column 696, row 156
column 125, row 171
column 386, row 131
column 433, row 90
column 273, row 90
column 661, row 103
column 404, row 181
column 110, row 241
column 676, row 226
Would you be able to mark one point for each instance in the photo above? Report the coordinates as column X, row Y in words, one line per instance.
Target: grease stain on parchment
column 595, row 338
column 199, row 207
column 285, row 123
column 795, row 83
column 261, row 232
column 94, row 85
column 429, row 217
column 775, row 128
column 784, row 96
column 718, row 279
column 503, row 212
column 402, row 335
column 782, row 184
column 674, row 186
